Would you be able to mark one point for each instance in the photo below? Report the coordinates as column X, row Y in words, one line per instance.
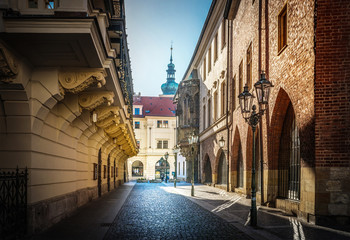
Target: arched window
column 137, row 169
column 222, row 170
column 289, row 158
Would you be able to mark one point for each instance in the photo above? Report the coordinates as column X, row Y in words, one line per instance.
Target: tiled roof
column 156, row 106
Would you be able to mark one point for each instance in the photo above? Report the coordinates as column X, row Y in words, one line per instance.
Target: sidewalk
column 272, row 223
column 91, row 221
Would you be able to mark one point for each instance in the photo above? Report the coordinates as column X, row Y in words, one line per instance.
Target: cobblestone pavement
column 152, row 213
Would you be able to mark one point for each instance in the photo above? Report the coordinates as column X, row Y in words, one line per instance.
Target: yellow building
column 65, row 102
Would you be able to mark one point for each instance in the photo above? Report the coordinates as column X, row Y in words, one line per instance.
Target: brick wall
column 332, row 92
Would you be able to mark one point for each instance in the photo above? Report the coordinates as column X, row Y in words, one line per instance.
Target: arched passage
column 207, row 170
column 162, row 169
column 137, row 169
column 237, row 160
column 285, row 148
column 222, row 169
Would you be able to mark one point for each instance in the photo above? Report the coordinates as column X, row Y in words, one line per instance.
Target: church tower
column 170, row 87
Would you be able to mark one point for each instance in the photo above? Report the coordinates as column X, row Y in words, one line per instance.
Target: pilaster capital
column 78, row 80
column 91, row 100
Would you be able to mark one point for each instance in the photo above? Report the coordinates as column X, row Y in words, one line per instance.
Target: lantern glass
column 222, row 142
column 195, row 139
column 190, row 140
column 262, row 88
column 246, row 102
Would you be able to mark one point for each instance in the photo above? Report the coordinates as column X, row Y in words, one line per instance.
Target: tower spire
column 169, row 88
column 171, row 52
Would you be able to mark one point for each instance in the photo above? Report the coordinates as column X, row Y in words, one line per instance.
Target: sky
column 151, row 27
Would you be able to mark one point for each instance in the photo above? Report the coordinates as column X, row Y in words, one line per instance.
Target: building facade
column 66, row 100
column 155, row 124
column 302, row 138
column 187, row 119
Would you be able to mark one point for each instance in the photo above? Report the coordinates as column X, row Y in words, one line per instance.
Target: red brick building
column 304, row 47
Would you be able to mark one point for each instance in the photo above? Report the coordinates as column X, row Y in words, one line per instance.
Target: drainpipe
column 260, row 128
column 229, row 78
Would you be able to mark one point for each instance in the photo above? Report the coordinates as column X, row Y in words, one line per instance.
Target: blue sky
column 151, row 27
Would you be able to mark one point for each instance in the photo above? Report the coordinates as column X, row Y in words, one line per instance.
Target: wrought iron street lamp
column 175, row 151
column 192, row 140
column 262, row 88
column 222, row 145
column 166, row 155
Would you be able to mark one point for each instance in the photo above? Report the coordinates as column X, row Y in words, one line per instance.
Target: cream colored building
column 65, row 103
column 155, row 125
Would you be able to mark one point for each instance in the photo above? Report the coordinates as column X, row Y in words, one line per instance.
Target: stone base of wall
column 43, row 214
column 288, row 205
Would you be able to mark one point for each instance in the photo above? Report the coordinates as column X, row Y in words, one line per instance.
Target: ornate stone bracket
column 106, row 111
column 80, row 79
column 114, row 119
column 8, row 66
column 91, row 100
column 113, row 129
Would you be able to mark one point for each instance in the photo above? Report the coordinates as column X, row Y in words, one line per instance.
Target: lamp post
column 262, row 88
column 192, row 140
column 175, row 151
column 166, row 155
column 222, row 145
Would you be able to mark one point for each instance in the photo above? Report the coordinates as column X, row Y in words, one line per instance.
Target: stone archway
column 162, row 169
column 207, row 170
column 137, row 169
column 222, row 169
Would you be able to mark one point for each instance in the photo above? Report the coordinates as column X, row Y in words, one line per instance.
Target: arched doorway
column 162, row 169
column 289, row 158
column 240, row 167
column 137, row 169
column 222, row 169
column 207, row 171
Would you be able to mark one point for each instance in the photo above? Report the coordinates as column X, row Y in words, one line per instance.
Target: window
column 215, row 105
column 137, row 111
column 138, row 144
column 50, row 4
column 137, row 125
column 183, row 168
column 162, row 144
column 32, row 3
column 234, row 98
column 282, row 29
column 240, row 76
column 249, row 66
column 216, row 48
column 209, row 112
column 223, row 34
column 204, row 117
column 205, row 69
column 165, row 144
column 223, row 98
column 209, row 60
column 162, row 124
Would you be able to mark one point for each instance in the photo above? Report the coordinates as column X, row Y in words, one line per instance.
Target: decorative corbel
column 106, row 111
column 80, row 79
column 114, row 119
column 113, row 129
column 223, row 74
column 91, row 100
column 8, row 66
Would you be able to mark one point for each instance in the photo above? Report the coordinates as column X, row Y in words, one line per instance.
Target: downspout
column 260, row 128
column 229, row 78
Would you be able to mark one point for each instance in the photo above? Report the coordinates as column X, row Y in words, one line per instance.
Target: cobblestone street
column 152, row 213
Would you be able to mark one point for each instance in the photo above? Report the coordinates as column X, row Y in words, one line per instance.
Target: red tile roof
column 156, row 106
